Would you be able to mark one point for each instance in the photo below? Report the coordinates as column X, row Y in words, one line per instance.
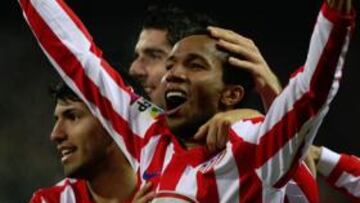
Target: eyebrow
column 154, row 50
column 194, row 56
column 66, row 112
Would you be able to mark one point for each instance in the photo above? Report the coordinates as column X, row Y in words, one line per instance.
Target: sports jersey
column 261, row 154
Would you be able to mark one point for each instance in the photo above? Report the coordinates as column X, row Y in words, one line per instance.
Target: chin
column 183, row 129
column 74, row 172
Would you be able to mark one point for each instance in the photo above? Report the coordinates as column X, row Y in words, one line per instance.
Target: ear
column 232, row 95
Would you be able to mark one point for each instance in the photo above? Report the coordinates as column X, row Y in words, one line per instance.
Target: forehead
column 201, row 45
column 63, row 105
column 151, row 37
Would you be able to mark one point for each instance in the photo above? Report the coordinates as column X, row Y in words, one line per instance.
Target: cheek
column 95, row 140
column 158, row 72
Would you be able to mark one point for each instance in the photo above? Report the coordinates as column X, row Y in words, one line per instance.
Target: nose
column 58, row 133
column 138, row 68
column 176, row 74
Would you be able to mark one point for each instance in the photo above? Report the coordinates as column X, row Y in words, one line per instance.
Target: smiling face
column 194, row 87
column 148, row 67
column 81, row 141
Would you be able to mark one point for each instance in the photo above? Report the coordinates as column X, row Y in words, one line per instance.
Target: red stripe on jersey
column 250, row 184
column 59, row 52
column 290, row 173
column 323, row 76
column 297, row 72
column 348, row 164
column 250, row 188
column 307, row 183
column 172, row 174
column 339, row 18
column 207, row 187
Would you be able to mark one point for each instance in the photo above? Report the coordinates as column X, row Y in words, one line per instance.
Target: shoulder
column 66, row 187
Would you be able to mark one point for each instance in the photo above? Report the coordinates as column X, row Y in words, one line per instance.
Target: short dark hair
column 61, row 91
column 177, row 21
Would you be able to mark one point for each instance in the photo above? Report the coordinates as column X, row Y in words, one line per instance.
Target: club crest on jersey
column 207, row 166
column 173, row 197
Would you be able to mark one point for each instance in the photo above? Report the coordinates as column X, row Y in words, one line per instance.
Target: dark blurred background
column 281, row 29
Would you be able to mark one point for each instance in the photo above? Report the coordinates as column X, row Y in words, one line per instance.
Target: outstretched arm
column 292, row 121
column 71, row 50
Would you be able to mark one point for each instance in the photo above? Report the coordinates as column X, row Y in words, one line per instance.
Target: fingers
column 230, row 36
column 211, row 137
column 340, row 5
column 245, row 52
column 246, row 65
column 145, row 194
column 310, row 163
column 202, row 132
column 222, row 134
column 217, row 133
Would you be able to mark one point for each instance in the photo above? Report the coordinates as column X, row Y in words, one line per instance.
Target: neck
column 115, row 181
column 189, row 144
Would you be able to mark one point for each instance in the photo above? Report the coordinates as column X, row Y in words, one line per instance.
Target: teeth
column 66, row 152
column 175, row 94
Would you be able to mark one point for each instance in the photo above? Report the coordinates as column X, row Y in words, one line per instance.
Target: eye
column 155, row 55
column 196, row 66
column 71, row 115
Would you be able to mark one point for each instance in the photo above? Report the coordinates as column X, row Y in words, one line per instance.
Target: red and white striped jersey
column 66, row 191
column 262, row 153
column 342, row 172
column 302, row 188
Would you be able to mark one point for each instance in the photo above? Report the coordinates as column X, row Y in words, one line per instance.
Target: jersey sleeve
column 302, row 187
column 37, row 198
column 342, row 172
column 279, row 142
column 71, row 50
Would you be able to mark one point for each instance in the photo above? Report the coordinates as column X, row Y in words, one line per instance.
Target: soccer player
column 173, row 162
column 156, row 39
column 96, row 169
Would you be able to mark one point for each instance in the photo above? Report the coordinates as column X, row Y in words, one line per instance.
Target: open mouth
column 66, row 152
column 174, row 99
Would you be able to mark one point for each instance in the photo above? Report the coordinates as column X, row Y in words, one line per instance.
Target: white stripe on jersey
column 187, row 183
column 272, row 195
column 295, row 194
column 147, row 154
column 327, row 162
column 227, row 177
column 67, row 195
column 350, row 183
